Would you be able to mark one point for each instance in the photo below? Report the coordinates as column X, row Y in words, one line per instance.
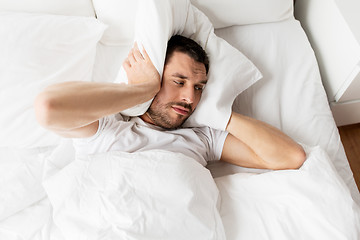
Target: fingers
column 146, row 56
column 136, row 56
column 126, row 64
column 131, row 57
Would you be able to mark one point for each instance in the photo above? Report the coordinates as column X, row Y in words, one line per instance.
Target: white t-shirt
column 120, row 133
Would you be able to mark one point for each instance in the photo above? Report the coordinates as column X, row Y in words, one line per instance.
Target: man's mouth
column 181, row 110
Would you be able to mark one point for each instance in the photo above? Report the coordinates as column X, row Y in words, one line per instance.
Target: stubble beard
column 159, row 115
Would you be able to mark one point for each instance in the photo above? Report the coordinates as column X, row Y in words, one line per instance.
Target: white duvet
column 310, row 203
column 165, row 195
column 146, row 195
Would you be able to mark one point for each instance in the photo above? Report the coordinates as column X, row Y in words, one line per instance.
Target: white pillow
column 36, row 51
column 120, row 15
column 310, row 203
column 230, row 74
column 227, row 13
column 145, row 195
column 63, row 7
column 230, row 71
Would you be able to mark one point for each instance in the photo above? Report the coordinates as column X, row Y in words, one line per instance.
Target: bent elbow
column 298, row 157
column 43, row 106
column 292, row 160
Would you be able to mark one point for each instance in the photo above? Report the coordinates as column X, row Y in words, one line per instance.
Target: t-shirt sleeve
column 95, row 143
column 214, row 140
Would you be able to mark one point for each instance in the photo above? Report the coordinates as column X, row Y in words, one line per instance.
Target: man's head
column 189, row 47
column 184, row 78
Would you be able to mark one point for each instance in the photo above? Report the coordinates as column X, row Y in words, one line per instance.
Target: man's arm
column 255, row 144
column 72, row 109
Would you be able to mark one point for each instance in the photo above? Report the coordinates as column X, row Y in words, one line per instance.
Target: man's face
column 183, row 82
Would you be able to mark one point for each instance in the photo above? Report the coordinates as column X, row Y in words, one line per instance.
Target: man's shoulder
column 202, row 130
column 206, row 129
column 120, row 117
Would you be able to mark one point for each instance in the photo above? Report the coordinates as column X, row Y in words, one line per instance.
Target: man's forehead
column 178, row 57
column 203, row 80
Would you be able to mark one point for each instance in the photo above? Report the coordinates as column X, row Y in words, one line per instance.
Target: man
column 90, row 111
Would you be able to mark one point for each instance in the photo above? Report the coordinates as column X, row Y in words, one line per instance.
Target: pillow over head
column 38, row 50
column 230, row 71
column 120, row 15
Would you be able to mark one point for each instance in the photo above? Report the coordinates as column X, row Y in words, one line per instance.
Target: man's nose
column 188, row 94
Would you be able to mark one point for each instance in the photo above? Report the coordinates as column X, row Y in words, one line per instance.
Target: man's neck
column 146, row 118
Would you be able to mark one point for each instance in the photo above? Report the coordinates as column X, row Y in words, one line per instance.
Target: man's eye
column 179, row 83
column 199, row 88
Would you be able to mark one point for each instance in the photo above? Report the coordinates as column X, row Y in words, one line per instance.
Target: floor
column 350, row 137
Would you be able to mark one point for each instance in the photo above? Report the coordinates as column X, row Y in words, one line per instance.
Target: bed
column 47, row 192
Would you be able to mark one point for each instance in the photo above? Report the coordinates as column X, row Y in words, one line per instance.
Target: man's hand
column 140, row 69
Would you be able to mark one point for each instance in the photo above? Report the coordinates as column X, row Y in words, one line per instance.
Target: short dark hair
column 189, row 47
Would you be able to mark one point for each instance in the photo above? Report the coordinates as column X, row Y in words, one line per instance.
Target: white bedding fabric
column 244, row 12
column 290, row 96
column 310, row 203
column 165, row 195
column 38, row 50
column 121, row 19
column 148, row 195
column 58, row 7
column 20, row 179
